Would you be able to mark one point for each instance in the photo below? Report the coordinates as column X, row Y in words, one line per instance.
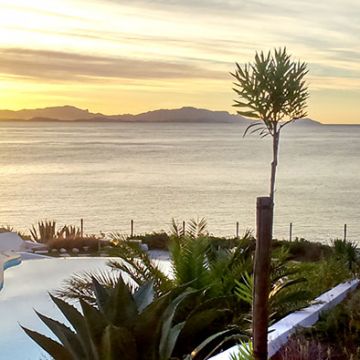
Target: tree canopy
column 271, row 89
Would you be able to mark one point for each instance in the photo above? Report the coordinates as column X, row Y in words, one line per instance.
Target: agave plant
column 45, row 231
column 132, row 325
column 69, row 232
column 6, row 228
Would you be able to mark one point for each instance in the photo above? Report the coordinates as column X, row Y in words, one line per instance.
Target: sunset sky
column 116, row 56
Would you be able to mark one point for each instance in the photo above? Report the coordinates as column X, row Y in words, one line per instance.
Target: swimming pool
column 7, row 260
column 26, row 288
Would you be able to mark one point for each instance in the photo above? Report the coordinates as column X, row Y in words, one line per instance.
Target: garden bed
column 336, row 336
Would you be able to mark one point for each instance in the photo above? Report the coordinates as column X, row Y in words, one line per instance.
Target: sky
column 116, row 57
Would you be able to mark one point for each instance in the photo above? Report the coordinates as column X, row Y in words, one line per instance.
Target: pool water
column 26, row 288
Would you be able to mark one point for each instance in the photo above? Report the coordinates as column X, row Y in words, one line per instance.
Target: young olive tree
column 272, row 90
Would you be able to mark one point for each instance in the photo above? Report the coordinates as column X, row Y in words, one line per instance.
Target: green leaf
column 116, row 343
column 214, row 340
column 144, row 295
column 120, row 308
column 53, row 348
column 172, row 339
column 95, row 322
column 77, row 321
column 147, row 328
column 167, row 340
column 101, row 295
column 66, row 336
column 244, row 289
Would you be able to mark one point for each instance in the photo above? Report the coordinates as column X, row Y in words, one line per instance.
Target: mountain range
column 184, row 114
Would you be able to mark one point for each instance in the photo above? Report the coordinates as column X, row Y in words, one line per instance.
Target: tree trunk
column 274, row 163
column 264, row 219
column 262, row 261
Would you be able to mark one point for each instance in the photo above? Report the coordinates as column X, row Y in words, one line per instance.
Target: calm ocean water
column 110, row 173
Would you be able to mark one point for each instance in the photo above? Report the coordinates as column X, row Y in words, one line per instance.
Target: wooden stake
column 237, row 229
column 290, row 231
column 82, row 228
column 131, row 228
column 264, row 221
column 345, row 231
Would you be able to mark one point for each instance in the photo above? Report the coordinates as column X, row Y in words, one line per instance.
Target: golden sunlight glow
column 113, row 57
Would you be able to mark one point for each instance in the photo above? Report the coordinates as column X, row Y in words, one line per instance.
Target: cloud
column 65, row 66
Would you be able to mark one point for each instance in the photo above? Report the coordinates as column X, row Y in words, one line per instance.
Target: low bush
column 304, row 250
column 92, row 242
column 230, row 243
column 322, row 275
column 154, row 240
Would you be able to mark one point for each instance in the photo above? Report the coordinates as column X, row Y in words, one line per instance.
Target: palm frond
column 137, row 264
column 196, row 228
column 80, row 285
column 189, row 261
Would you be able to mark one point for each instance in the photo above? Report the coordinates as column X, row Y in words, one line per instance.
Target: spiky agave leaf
column 76, row 319
column 118, row 341
column 170, row 333
column 53, row 348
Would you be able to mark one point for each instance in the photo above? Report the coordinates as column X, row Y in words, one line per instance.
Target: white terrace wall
column 280, row 331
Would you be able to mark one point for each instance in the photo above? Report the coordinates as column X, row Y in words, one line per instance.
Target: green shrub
column 347, row 250
column 322, row 275
column 304, row 250
column 154, row 240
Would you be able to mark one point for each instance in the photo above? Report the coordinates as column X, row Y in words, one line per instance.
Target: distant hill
column 184, row 114
column 307, row 121
column 67, row 113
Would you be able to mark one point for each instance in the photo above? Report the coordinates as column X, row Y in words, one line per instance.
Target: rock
column 144, row 247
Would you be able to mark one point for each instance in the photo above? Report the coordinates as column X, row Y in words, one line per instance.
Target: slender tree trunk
column 274, row 163
column 263, row 260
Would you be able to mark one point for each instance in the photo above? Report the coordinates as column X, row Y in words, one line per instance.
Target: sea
column 109, row 173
